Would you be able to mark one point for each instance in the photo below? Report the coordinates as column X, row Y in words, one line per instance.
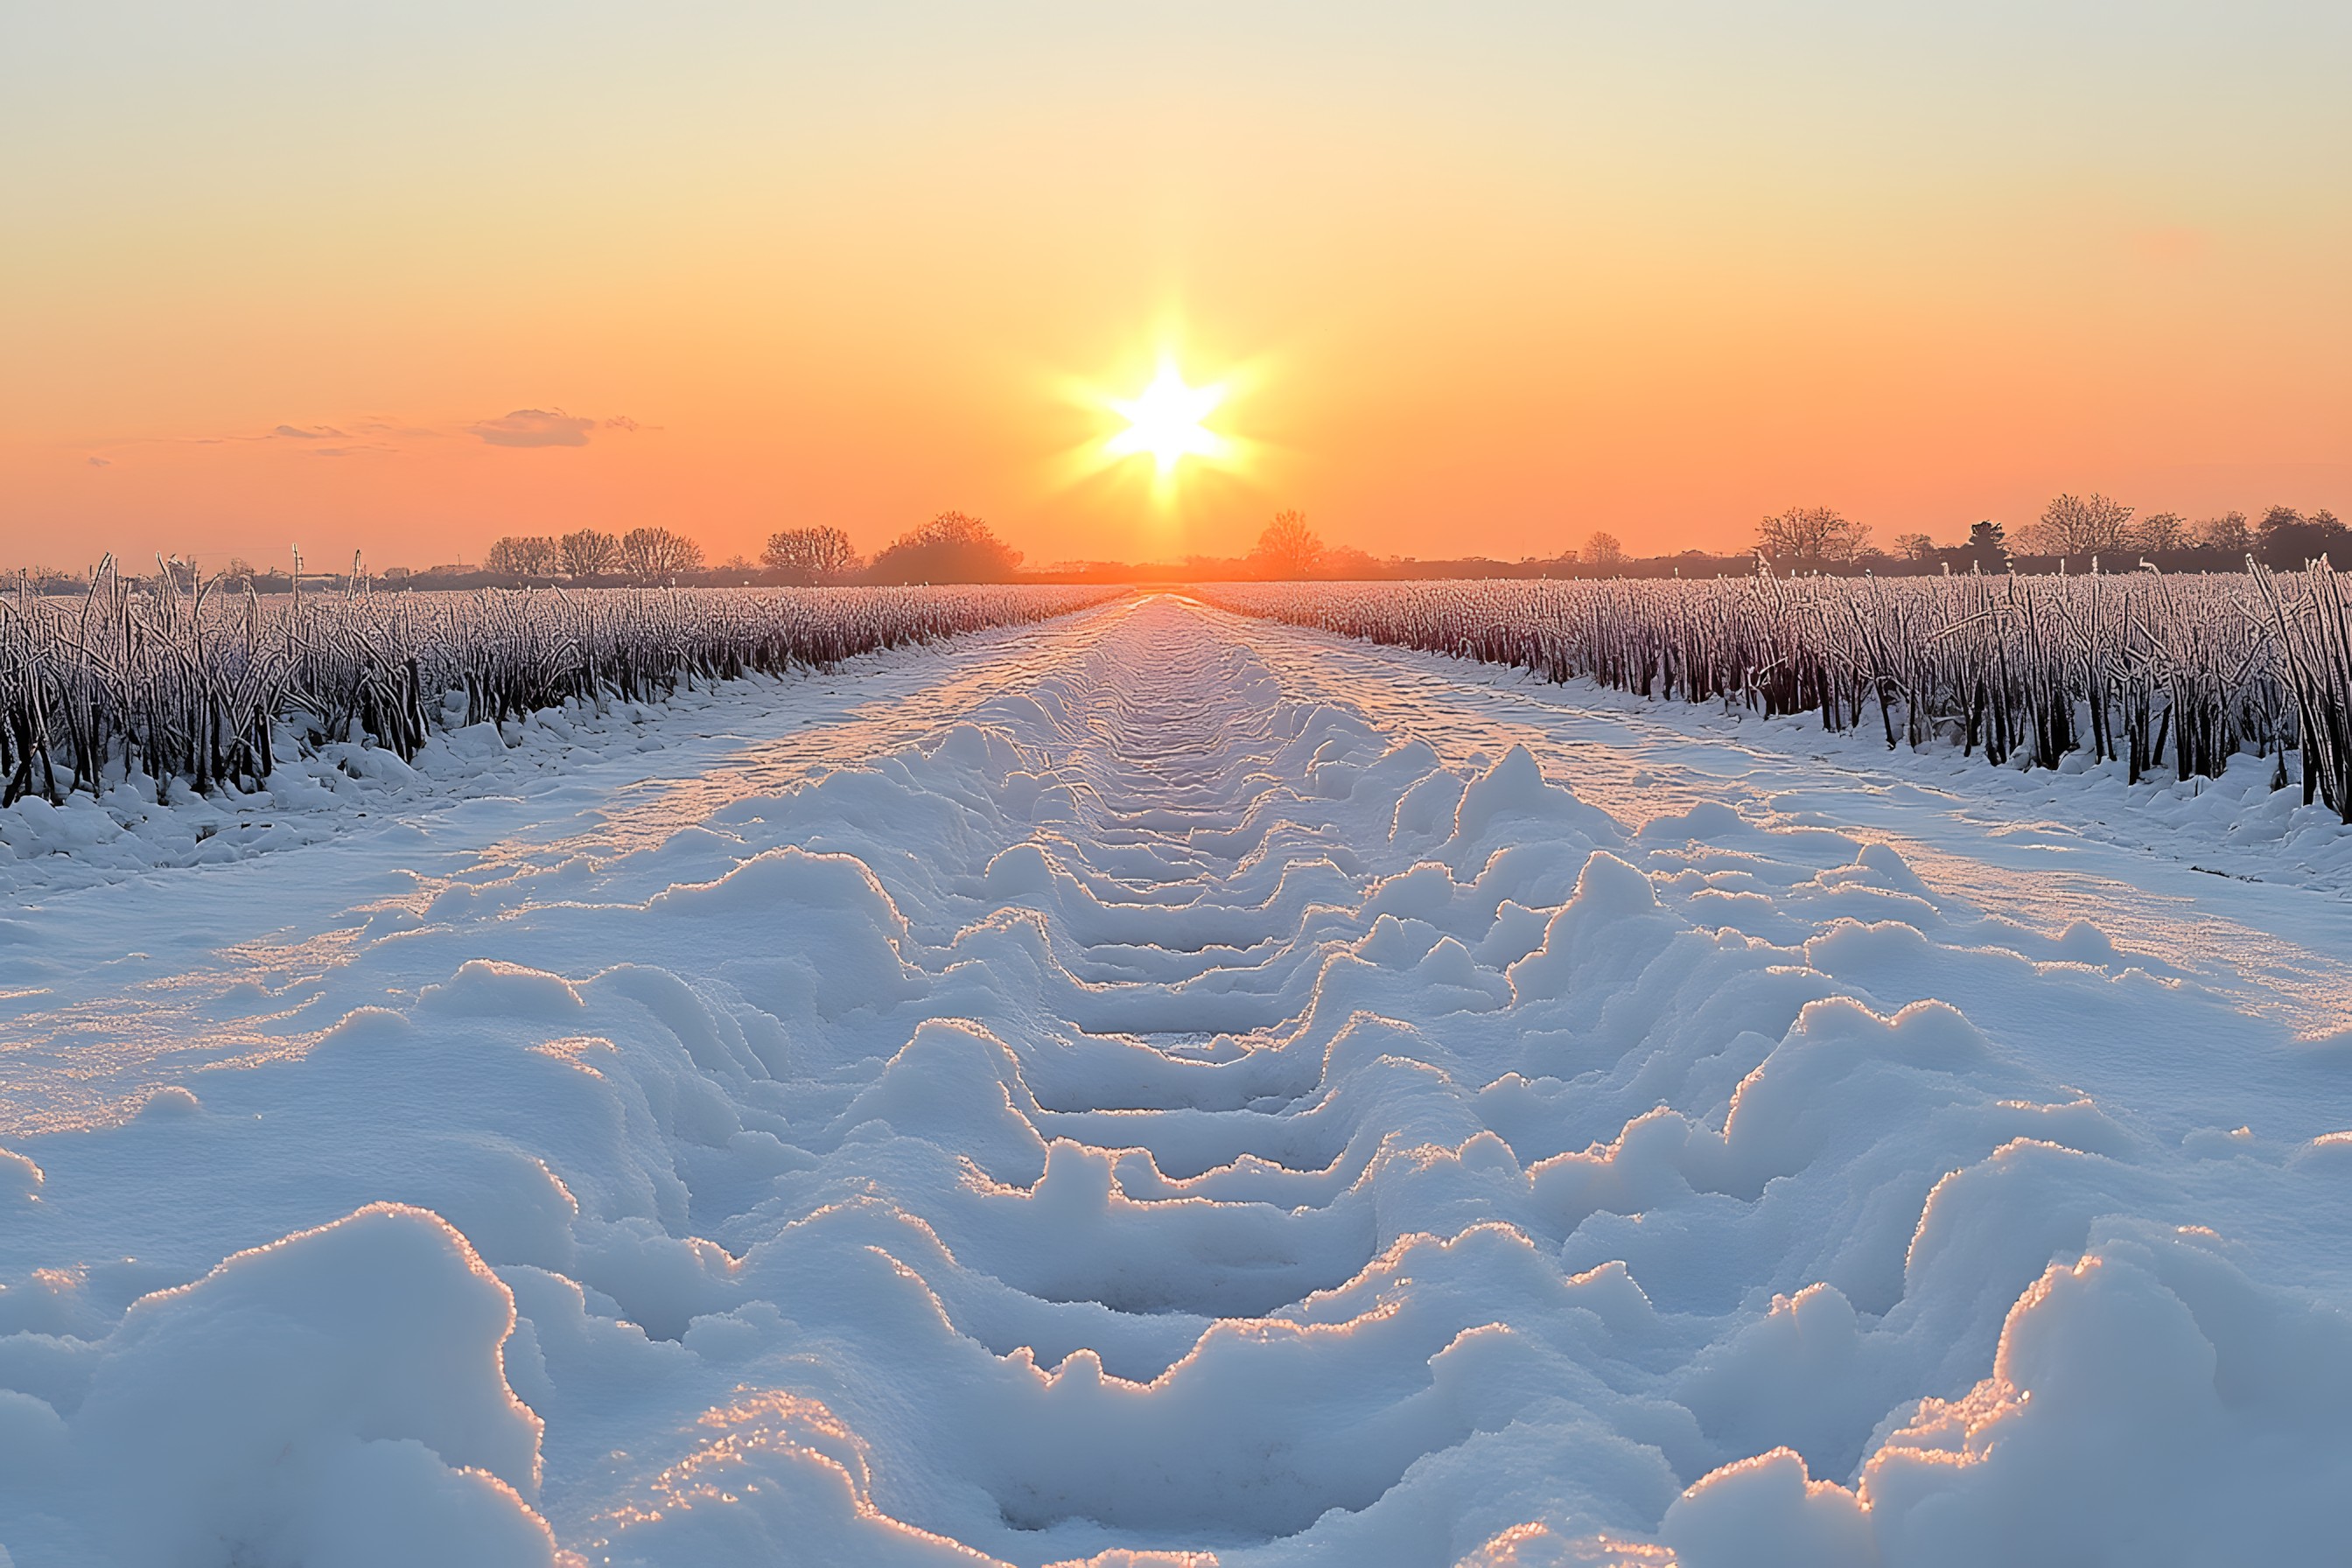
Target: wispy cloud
column 534, row 427
column 376, row 434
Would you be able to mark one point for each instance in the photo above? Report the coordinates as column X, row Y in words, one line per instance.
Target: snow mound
column 335, row 1397
column 1161, row 1114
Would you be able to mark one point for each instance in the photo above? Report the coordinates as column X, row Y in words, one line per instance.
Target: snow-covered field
column 1163, row 1083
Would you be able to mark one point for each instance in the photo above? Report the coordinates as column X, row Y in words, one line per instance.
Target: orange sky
column 1487, row 280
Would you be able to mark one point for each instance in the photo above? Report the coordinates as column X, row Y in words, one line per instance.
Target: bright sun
column 1164, row 420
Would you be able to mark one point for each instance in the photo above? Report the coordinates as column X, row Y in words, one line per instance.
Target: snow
column 333, row 1397
column 1158, row 1088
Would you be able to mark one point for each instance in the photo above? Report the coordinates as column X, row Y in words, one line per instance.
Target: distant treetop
column 1813, row 535
column 951, row 548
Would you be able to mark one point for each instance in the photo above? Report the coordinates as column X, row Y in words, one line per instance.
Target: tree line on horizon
column 953, row 547
column 2072, row 532
column 2071, row 529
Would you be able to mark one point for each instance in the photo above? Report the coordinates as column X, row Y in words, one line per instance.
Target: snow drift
column 1159, row 1117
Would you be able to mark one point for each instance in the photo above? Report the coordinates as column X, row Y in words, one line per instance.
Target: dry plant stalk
column 188, row 682
column 2028, row 671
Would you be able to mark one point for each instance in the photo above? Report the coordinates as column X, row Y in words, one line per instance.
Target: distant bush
column 950, row 548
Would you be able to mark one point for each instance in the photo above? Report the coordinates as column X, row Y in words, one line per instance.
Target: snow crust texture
column 1160, row 1119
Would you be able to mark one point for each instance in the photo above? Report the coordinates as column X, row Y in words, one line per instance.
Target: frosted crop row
column 2155, row 671
column 203, row 685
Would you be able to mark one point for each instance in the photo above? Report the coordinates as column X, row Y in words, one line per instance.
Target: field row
column 202, row 685
column 2178, row 672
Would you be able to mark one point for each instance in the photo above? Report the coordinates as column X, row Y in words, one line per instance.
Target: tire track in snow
column 2281, row 949
column 204, row 948
column 1168, row 1111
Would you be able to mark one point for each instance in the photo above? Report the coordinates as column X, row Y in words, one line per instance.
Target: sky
column 1473, row 279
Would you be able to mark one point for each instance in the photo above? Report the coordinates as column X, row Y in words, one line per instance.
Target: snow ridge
column 1158, row 1120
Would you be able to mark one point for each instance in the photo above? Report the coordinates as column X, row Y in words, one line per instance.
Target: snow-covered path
column 1160, row 1082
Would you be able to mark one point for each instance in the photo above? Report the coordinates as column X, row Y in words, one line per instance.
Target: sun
column 1164, row 420
column 1184, row 430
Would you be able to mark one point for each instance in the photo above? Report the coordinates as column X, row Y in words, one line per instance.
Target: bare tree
column 2084, row 525
column 2227, row 531
column 589, row 552
column 1914, row 547
column 1288, row 549
column 522, row 555
column 1603, row 550
column 1811, row 533
column 2160, row 531
column 822, row 554
column 657, row 552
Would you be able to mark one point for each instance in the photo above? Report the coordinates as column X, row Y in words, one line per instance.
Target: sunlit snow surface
column 1163, row 1084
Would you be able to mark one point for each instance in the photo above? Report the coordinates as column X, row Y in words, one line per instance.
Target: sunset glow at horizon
column 402, row 282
